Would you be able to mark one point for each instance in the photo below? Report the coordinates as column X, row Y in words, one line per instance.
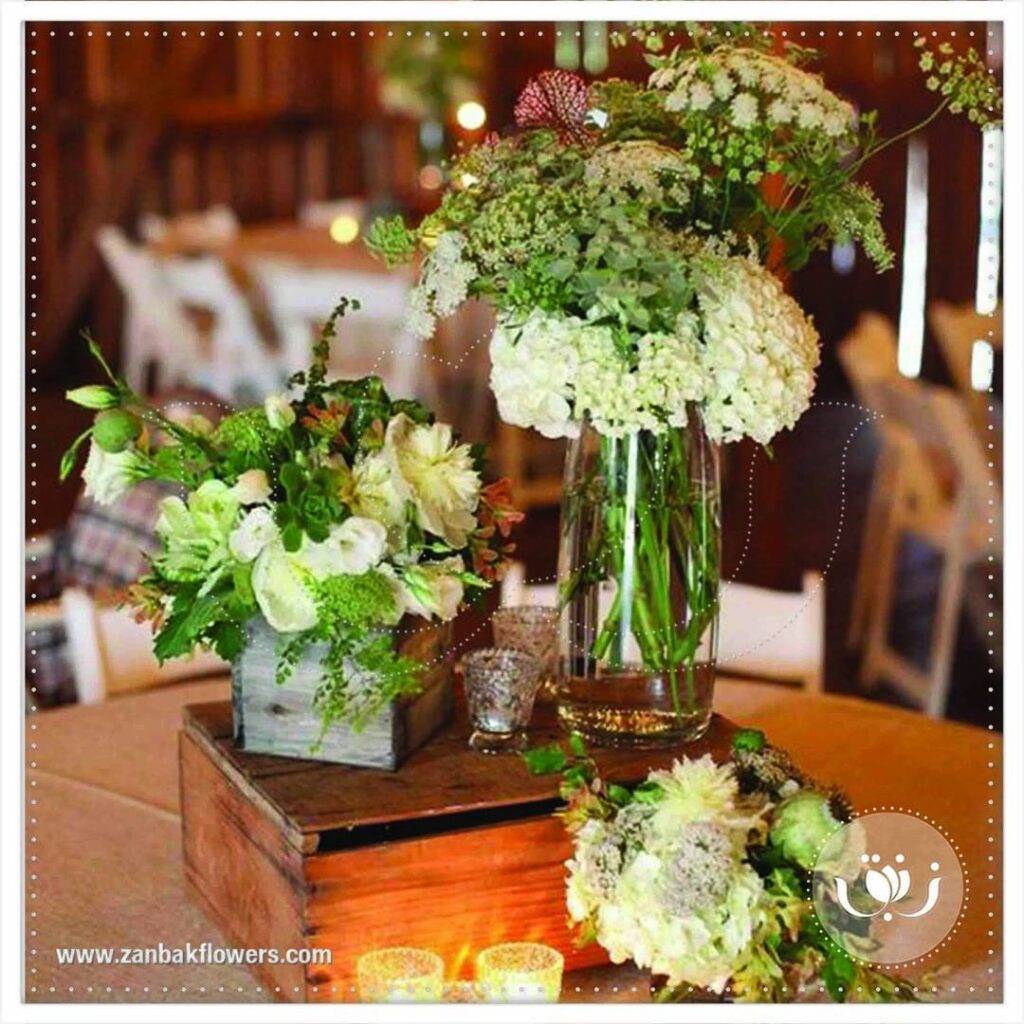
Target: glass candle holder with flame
column 520, row 972
column 400, row 974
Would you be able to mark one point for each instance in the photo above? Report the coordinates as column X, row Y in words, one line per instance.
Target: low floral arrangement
column 702, row 874
column 332, row 511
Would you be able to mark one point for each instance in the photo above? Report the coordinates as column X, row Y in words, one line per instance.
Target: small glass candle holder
column 520, row 972
column 532, row 628
column 500, row 687
column 462, row 992
column 400, row 974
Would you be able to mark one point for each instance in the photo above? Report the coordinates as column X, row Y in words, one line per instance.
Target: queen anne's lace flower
column 641, row 169
column 774, row 90
column 760, row 353
column 443, row 285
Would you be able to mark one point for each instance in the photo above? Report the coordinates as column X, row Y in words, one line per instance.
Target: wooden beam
column 80, row 260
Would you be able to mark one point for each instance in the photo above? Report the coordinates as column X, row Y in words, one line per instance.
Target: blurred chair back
column 949, row 508
column 868, row 356
column 769, row 634
column 110, row 653
column 198, row 231
column 237, row 362
column 957, row 328
column 370, row 340
column 159, row 337
column 961, row 332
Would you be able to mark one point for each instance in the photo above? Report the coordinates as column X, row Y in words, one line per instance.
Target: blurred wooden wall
column 194, row 114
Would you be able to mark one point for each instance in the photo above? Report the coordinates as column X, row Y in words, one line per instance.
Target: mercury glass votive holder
column 532, row 628
column 400, row 974
column 520, row 972
column 500, row 688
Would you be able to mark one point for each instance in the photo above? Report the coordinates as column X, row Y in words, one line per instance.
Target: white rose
column 352, row 548
column 443, row 482
column 252, row 487
column 108, row 475
column 253, row 534
column 279, row 582
column 280, row 414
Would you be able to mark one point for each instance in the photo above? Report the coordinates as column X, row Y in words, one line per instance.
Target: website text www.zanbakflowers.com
column 200, row 953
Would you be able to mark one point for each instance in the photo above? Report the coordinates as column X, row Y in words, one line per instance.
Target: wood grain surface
column 444, row 777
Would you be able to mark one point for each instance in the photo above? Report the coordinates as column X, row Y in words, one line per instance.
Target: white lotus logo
column 888, row 885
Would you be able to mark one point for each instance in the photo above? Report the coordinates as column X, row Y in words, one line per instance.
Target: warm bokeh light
column 344, row 229
column 431, row 177
column 471, row 115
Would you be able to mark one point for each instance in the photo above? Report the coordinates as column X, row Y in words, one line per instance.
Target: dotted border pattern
column 32, row 284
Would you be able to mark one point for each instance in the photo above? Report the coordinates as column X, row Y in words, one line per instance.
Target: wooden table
column 103, row 794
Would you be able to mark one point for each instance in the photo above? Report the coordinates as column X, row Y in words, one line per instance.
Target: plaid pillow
column 105, row 547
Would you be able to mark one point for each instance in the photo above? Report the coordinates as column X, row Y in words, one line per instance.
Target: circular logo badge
column 888, row 887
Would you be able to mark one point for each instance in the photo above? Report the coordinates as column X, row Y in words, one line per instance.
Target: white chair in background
column 159, row 336
column 237, row 362
column 868, row 356
column 943, row 493
column 198, row 231
column 769, row 634
column 370, row 340
column 110, row 653
column 322, row 213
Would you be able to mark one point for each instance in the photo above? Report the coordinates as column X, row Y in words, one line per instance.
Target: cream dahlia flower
column 444, row 484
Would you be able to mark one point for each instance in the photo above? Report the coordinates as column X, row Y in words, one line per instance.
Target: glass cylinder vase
column 639, row 569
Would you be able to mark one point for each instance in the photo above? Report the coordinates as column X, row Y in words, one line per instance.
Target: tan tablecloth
column 107, row 867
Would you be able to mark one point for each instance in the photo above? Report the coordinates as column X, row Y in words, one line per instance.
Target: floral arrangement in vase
column 330, row 512
column 630, row 238
column 702, row 873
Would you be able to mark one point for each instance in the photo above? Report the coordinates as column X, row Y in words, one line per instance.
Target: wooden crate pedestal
column 454, row 852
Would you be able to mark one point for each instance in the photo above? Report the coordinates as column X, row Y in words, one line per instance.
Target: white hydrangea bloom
column 670, row 372
column 606, row 390
column 760, row 353
column 533, row 367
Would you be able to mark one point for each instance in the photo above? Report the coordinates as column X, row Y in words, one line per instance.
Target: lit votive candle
column 520, row 972
column 400, row 974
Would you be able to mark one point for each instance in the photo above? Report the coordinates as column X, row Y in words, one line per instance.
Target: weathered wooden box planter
column 453, row 852
column 273, row 718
